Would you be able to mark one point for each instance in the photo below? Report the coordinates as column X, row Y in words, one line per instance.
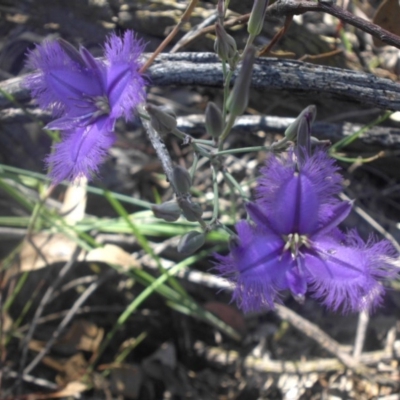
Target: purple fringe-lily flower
column 86, row 96
column 293, row 242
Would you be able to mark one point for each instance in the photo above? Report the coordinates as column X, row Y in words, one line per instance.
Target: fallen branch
column 270, row 74
column 264, row 365
column 377, row 137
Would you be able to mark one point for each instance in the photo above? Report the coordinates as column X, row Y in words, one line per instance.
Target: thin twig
column 43, row 302
column 67, row 319
column 84, row 310
column 187, row 38
column 185, row 17
column 373, row 223
column 295, row 7
column 262, row 364
column 267, row 49
column 312, row 331
column 30, row 379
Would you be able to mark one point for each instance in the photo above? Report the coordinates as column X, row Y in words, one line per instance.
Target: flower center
column 294, row 241
column 102, row 105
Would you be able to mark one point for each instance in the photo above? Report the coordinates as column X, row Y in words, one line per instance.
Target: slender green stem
column 181, row 135
column 349, row 139
column 125, row 352
column 243, row 150
column 194, row 142
column 193, row 168
column 205, row 142
column 224, row 70
column 14, row 294
column 235, row 183
column 216, row 196
column 133, row 306
column 249, row 42
column 225, row 133
column 15, row 173
column 359, row 160
column 141, row 239
column 226, row 93
column 226, row 229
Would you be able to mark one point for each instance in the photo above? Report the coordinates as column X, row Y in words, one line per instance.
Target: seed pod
column 162, row 119
column 224, row 45
column 191, row 211
column 168, row 211
column 181, row 179
column 214, row 121
column 239, row 97
column 190, row 242
column 257, row 16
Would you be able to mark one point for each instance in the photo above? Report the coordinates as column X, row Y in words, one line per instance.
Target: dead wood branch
column 270, row 74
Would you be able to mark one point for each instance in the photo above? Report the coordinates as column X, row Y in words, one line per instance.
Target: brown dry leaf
column 72, row 389
column 387, row 16
column 82, row 335
column 229, row 314
column 6, row 323
column 126, row 381
column 44, row 249
column 74, row 369
column 112, row 254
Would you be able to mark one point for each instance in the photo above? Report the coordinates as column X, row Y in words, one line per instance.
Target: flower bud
column 224, row 45
column 190, row 242
column 191, row 211
column 163, row 120
column 239, row 97
column 168, row 211
column 214, row 121
column 181, row 179
column 256, row 20
column 72, row 52
column 309, row 114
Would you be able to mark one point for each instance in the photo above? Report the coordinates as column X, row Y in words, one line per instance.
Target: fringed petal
column 124, row 83
column 256, row 266
column 62, row 84
column 81, row 151
column 347, row 276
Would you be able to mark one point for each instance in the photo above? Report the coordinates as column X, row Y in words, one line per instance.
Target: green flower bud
column 191, row 211
column 224, row 45
column 308, row 114
column 168, row 211
column 257, row 17
column 239, row 97
column 162, row 119
column 181, row 179
column 214, row 121
column 190, row 242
